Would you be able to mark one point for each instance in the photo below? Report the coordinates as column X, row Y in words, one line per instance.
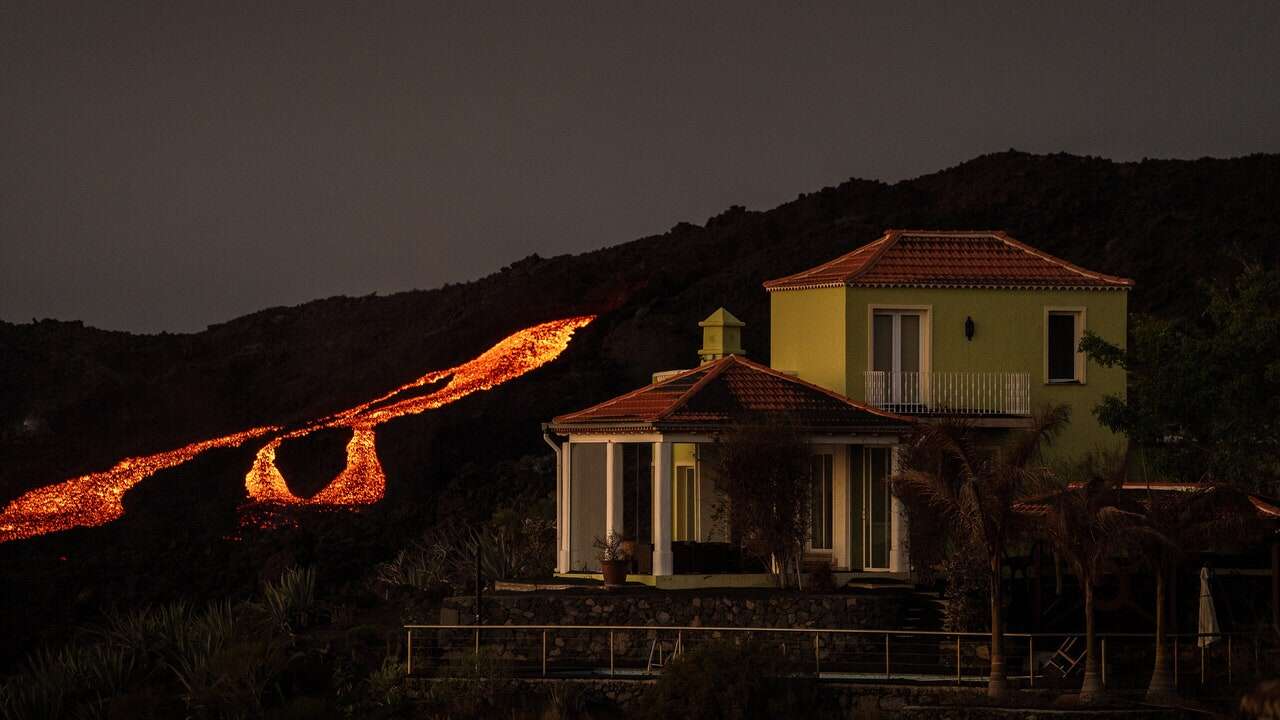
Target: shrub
column 510, row 546
column 385, row 686
column 723, row 680
column 290, row 602
column 227, row 663
column 481, row 687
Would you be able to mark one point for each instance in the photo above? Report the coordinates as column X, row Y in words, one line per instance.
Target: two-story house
column 914, row 326
column 974, row 324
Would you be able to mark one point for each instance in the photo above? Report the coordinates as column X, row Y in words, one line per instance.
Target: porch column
column 613, row 521
column 564, row 518
column 662, row 564
column 899, row 561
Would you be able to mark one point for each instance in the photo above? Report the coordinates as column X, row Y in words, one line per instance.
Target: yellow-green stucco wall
column 824, row 335
column 807, row 331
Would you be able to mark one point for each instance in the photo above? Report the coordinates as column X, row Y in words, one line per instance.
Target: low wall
column 723, row 608
column 567, row 650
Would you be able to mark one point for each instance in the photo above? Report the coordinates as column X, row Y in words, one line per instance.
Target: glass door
column 684, row 504
column 872, row 506
column 820, row 502
column 895, row 354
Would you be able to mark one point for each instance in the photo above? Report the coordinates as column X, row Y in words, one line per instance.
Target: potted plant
column 614, row 560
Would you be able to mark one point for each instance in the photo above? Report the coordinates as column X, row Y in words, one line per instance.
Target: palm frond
column 1046, row 425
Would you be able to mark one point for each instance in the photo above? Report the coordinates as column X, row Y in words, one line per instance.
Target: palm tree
column 977, row 490
column 1185, row 519
column 1086, row 525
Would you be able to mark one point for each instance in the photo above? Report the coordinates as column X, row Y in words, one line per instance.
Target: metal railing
column 883, row 656
column 950, row 393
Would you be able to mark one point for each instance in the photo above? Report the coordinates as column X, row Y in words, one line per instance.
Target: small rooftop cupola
column 721, row 336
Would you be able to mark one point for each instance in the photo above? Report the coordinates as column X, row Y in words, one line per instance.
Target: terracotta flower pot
column 614, row 572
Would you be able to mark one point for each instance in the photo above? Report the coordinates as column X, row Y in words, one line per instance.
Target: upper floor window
column 1063, row 362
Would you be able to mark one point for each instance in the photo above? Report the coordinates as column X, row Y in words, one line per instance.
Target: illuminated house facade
column 914, row 326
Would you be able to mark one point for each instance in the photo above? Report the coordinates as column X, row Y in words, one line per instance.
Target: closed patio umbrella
column 1208, row 626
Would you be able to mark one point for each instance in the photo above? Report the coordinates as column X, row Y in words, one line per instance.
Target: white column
column 899, row 562
column 613, row 519
column 564, row 515
column 662, row 564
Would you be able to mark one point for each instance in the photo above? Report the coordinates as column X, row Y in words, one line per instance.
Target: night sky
column 164, row 166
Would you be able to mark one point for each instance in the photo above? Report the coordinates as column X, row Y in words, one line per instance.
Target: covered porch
column 645, row 466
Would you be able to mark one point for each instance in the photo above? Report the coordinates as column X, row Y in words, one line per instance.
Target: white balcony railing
column 950, row 393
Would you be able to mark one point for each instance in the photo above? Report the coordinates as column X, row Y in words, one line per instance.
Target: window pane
column 643, row 506
column 690, row 506
column 1062, row 346
column 827, row 507
column 909, row 391
column 879, row 500
column 910, row 343
column 882, row 343
column 820, row 502
column 856, row 490
column 815, row 501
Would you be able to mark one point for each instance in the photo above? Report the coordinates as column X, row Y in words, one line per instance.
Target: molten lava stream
column 94, row 499
column 363, row 481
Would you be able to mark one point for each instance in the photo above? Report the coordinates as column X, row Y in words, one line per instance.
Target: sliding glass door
column 872, row 504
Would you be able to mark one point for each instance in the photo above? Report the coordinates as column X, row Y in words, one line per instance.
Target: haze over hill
column 78, row 399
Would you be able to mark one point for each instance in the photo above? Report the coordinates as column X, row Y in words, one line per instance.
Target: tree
column 976, row 490
column 1204, row 394
column 1184, row 520
column 1086, row 525
column 765, row 472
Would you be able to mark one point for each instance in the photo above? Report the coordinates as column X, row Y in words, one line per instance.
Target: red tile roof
column 727, row 390
column 948, row 258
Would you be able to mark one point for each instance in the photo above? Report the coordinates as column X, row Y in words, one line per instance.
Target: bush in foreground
column 724, row 680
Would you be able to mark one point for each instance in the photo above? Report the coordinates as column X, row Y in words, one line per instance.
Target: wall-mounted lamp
column 968, row 328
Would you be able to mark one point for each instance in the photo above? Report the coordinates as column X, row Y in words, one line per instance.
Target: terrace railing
column 882, row 656
column 1002, row 394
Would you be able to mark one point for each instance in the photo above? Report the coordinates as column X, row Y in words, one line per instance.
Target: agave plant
column 290, row 602
column 227, row 663
column 26, row 698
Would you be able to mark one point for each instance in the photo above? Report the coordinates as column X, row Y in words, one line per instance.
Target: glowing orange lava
column 362, row 481
column 95, row 499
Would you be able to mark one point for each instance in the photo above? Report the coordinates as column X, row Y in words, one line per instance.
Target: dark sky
column 164, row 166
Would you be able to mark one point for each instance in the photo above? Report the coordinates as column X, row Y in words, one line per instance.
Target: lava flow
column 362, row 481
column 95, row 499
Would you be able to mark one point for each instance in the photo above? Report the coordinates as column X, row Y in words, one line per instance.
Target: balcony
column 966, row 394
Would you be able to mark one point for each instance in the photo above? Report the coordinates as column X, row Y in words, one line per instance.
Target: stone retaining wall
column 723, row 608
column 574, row 650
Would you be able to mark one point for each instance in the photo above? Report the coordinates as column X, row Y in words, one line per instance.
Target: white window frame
column 1080, row 313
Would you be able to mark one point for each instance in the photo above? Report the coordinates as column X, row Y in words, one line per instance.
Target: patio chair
column 659, row 648
column 1066, row 659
